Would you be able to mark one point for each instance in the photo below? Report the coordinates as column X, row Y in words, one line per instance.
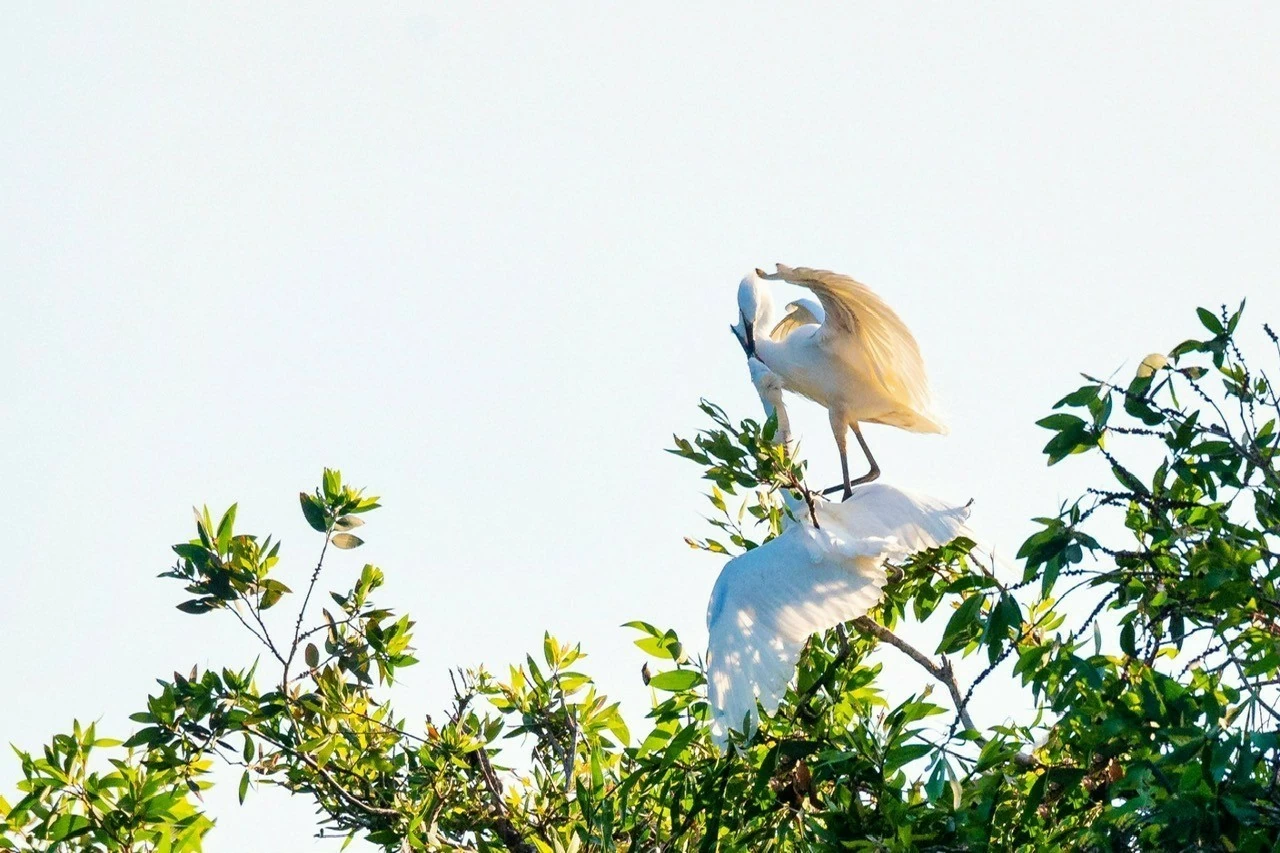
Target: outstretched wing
column 802, row 312
column 855, row 313
column 765, row 606
column 769, row 601
column 878, row 510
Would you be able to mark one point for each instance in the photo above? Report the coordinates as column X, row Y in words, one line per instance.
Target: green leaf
column 312, row 655
column 244, row 786
column 1209, row 321
column 1082, row 396
column 900, row 756
column 148, row 737
column 962, row 625
column 1235, row 318
column 1136, row 401
column 661, row 647
column 1186, row 347
column 346, row 541
column 1061, row 421
column 365, row 505
column 678, row 745
column 550, row 650
column 1128, row 643
column 332, row 484
column 224, row 528
column 198, row 605
column 676, row 680
column 313, row 512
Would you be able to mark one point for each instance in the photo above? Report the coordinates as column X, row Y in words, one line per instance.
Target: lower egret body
column 767, row 602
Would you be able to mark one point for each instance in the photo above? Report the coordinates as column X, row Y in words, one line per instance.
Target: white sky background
column 483, row 258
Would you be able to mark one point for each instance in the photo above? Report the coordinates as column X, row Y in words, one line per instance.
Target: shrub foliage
column 1141, row 635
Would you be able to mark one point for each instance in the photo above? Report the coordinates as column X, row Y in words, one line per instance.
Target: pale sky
column 482, row 257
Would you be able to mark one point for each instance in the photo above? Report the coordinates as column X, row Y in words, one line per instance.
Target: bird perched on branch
column 850, row 353
column 767, row 602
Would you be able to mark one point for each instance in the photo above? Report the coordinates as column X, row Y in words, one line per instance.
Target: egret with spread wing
column 768, row 602
column 856, row 357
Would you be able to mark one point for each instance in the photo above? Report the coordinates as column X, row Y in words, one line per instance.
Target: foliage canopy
column 1142, row 632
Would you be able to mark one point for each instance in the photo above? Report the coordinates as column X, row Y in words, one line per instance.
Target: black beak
column 748, row 342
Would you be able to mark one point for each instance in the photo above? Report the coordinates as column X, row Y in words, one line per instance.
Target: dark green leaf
column 313, row 512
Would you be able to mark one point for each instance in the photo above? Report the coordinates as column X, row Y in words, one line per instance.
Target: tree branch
column 302, row 611
column 479, row 761
column 942, row 672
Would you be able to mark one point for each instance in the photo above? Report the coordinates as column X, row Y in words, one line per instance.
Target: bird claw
column 847, row 488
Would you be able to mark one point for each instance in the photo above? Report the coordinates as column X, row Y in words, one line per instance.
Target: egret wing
column 913, row 521
column 855, row 313
column 802, row 312
column 765, row 606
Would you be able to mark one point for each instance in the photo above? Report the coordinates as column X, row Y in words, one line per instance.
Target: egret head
column 755, row 309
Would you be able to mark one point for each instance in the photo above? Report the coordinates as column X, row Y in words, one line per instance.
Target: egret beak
column 746, row 338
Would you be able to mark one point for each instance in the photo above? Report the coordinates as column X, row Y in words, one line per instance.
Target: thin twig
column 262, row 638
column 302, row 611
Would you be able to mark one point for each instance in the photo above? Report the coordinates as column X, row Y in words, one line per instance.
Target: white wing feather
column 802, row 312
column 765, row 606
column 915, row 522
column 769, row 601
column 855, row 313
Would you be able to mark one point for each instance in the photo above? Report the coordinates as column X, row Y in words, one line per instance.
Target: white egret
column 857, row 358
column 767, row 602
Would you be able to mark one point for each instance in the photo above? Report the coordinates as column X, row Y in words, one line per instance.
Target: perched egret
column 852, row 355
column 768, row 602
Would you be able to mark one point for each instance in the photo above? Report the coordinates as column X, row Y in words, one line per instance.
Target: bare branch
column 941, row 672
column 302, row 611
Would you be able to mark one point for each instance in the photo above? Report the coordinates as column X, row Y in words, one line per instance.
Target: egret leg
column 847, row 485
column 839, row 428
column 874, row 473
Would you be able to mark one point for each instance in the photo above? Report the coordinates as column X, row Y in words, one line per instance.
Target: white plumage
column 769, row 387
column 853, row 355
column 768, row 602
